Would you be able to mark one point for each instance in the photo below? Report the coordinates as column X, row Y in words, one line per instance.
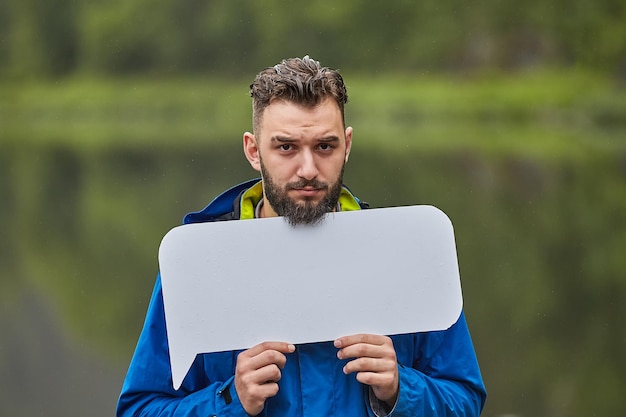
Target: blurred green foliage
column 62, row 37
column 134, row 112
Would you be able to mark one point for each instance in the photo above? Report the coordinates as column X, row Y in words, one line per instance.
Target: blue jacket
column 439, row 374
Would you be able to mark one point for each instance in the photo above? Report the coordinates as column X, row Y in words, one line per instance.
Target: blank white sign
column 230, row 285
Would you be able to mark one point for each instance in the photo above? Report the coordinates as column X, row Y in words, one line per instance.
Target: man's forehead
column 286, row 117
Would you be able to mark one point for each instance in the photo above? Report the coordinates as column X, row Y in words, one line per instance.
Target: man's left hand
column 374, row 362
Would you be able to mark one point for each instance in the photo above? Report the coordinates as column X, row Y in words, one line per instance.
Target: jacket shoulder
column 222, row 207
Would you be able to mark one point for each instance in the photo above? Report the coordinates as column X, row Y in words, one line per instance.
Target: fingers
column 365, row 345
column 360, row 338
column 278, row 346
column 374, row 362
column 367, row 364
column 257, row 373
column 367, row 358
column 264, row 354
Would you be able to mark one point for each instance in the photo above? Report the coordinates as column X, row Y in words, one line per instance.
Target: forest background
column 117, row 117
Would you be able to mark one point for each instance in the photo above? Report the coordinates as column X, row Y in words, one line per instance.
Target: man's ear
column 251, row 150
column 348, row 142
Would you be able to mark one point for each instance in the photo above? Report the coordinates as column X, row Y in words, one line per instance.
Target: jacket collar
column 249, row 193
column 221, row 205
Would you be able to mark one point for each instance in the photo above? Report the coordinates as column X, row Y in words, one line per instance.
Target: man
column 300, row 145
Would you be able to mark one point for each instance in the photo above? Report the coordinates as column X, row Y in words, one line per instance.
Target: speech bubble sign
column 230, row 285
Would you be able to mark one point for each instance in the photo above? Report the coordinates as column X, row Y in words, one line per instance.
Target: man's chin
column 307, row 201
column 298, row 219
column 305, row 212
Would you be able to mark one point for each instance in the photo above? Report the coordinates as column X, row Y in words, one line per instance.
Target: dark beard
column 308, row 213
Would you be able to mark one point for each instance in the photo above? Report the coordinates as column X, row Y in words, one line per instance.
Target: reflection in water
column 45, row 371
column 536, row 241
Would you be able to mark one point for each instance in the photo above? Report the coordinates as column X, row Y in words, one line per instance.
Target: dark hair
column 298, row 80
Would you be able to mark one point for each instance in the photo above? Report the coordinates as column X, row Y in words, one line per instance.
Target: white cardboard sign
column 230, row 285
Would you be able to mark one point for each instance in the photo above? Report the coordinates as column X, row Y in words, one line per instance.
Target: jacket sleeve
column 445, row 379
column 148, row 390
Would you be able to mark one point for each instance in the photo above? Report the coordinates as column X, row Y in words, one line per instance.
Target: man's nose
column 308, row 166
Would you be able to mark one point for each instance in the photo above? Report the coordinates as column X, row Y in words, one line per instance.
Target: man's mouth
column 308, row 191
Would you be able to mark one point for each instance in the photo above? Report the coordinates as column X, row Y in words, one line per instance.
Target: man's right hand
column 258, row 372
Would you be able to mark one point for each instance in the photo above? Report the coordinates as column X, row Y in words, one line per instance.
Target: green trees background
column 63, row 37
column 118, row 117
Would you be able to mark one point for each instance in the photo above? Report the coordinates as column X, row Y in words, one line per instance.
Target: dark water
column 540, row 244
column 48, row 371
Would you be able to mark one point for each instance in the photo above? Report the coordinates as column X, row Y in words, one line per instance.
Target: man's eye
column 285, row 147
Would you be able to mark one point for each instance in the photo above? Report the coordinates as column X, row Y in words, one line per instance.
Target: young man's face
column 300, row 152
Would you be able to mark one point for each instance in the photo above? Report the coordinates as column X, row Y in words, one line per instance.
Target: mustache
column 306, row 183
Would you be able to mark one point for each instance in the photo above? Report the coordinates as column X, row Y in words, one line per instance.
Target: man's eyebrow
column 286, row 139
column 282, row 139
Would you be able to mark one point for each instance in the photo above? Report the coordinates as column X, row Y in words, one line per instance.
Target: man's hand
column 257, row 374
column 375, row 363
